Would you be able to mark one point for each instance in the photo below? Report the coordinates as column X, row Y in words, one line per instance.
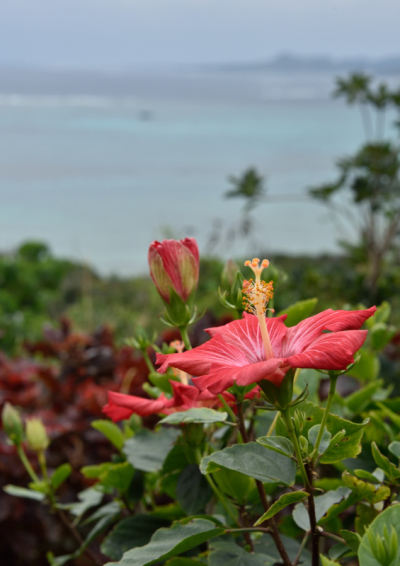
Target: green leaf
column 118, row 476
column 352, row 539
column 147, row 450
column 394, row 448
column 234, row 484
column 299, row 311
column 284, row 500
column 166, row 543
column 60, row 475
column 192, row 490
column 366, row 490
column 229, row 554
column 322, row 505
column 367, row 368
column 202, row 415
column 382, row 314
column 391, row 471
column 365, row 514
column 327, row 561
column 279, row 444
column 325, row 440
column 90, row 497
column 17, row 491
column 130, row 533
column 364, row 475
column 379, row 545
column 357, row 401
column 180, row 561
column 111, row 431
column 348, row 447
column 380, row 335
column 94, row 472
column 252, row 460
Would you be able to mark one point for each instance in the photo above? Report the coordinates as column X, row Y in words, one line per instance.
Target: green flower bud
column 12, row 424
column 303, row 445
column 36, row 435
column 299, row 420
column 384, row 548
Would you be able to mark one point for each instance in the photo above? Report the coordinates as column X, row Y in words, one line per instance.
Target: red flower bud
column 174, row 265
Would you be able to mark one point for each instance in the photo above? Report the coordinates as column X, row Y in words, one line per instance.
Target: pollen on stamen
column 256, row 294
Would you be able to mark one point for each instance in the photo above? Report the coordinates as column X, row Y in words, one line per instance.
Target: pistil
column 256, row 295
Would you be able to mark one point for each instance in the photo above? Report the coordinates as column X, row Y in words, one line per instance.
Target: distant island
column 287, row 62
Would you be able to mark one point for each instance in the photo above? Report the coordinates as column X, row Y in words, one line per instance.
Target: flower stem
column 332, row 388
column 148, row 361
column 185, row 337
column 227, row 407
column 26, row 463
column 287, row 419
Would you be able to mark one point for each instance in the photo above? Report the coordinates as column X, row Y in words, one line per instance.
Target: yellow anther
column 255, row 260
column 247, row 263
column 265, row 263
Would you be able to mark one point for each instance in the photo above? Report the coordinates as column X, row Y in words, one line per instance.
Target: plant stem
column 227, row 407
column 273, row 424
column 272, row 528
column 292, row 433
column 148, row 361
column 245, row 520
column 303, row 544
column 332, row 388
column 27, row 464
column 185, row 337
column 78, row 537
column 315, row 534
column 216, row 491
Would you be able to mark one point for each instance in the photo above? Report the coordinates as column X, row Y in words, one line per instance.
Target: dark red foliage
column 64, row 380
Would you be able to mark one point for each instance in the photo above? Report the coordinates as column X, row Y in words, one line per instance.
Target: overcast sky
column 126, row 33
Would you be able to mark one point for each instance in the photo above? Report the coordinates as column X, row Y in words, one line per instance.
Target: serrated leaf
column 284, row 500
column 279, row 444
column 299, row 311
column 366, row 490
column 252, row 460
column 348, row 447
column 130, row 533
column 166, row 543
column 147, row 450
column 325, row 440
column 192, row 490
column 17, row 491
column 60, row 475
column 202, row 416
column 111, row 431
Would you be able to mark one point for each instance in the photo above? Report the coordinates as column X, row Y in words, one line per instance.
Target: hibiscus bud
column 384, row 548
column 299, row 420
column 36, row 435
column 174, row 266
column 303, row 445
column 232, row 283
column 12, row 424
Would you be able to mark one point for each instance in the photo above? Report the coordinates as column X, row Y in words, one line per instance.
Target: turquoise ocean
column 98, row 176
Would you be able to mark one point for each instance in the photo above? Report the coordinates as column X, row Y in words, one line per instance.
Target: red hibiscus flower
column 185, row 397
column 174, row 265
column 237, row 353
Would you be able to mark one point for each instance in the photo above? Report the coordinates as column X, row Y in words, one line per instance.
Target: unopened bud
column 384, row 548
column 12, row 424
column 36, row 435
column 303, row 445
column 299, row 420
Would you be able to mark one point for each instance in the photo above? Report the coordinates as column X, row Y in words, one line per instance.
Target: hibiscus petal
column 214, row 353
column 220, row 380
column 136, row 405
column 303, row 334
column 245, row 334
column 333, row 351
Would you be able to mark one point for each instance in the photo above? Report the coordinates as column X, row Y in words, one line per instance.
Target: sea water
column 99, row 176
